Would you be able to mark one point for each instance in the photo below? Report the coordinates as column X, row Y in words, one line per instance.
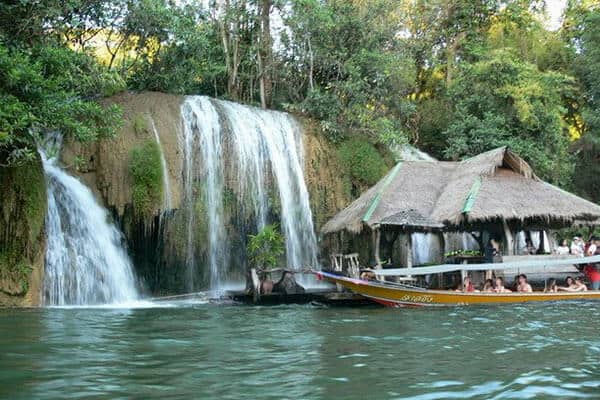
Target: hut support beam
column 510, row 242
column 409, row 252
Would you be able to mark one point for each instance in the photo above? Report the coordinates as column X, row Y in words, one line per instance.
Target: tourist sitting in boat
column 467, row 286
column 579, row 285
column 523, row 286
column 367, row 275
column 573, row 285
column 500, row 286
column 563, row 248
column 488, row 286
column 552, row 286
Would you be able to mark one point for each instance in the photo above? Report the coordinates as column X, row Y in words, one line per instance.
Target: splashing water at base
column 85, row 261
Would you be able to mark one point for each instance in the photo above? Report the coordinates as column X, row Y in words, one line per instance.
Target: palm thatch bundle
column 492, row 186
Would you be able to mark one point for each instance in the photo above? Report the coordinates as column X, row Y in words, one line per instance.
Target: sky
column 555, row 9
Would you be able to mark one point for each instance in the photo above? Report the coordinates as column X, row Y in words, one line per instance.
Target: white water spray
column 167, row 197
column 85, row 261
column 263, row 148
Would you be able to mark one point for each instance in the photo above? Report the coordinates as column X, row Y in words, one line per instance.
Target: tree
column 504, row 101
column 49, row 88
column 266, row 247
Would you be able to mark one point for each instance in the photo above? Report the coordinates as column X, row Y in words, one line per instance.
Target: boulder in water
column 288, row 285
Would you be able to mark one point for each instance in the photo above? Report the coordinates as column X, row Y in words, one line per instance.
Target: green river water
column 211, row 351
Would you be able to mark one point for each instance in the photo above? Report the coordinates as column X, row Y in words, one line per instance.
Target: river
column 211, row 351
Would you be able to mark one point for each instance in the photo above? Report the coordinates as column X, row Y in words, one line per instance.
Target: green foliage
column 266, row 248
column 362, row 161
column 503, row 100
column 42, row 89
column 146, row 173
column 140, row 125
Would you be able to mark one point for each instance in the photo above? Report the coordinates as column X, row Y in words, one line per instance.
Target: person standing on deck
column 592, row 247
column 577, row 246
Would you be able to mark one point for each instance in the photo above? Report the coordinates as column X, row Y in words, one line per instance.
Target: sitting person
column 500, row 286
column 552, row 286
column 367, row 275
column 467, row 285
column 488, row 286
column 563, row 248
column 579, row 285
column 523, row 286
column 569, row 285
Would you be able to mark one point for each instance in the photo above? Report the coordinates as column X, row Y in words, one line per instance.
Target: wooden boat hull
column 408, row 296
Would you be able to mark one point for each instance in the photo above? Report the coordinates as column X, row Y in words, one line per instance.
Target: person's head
column 563, row 243
column 552, row 282
column 466, row 281
column 488, row 283
column 499, row 282
column 522, row 279
column 569, row 281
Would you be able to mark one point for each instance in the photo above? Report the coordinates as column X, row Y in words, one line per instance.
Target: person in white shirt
column 563, row 248
column 577, row 246
column 592, row 248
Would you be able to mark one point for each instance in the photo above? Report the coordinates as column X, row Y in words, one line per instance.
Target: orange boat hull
column 402, row 296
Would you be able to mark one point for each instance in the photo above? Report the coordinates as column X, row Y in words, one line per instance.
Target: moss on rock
column 147, row 177
column 23, row 206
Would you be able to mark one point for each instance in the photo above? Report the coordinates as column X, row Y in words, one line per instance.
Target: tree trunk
column 265, row 53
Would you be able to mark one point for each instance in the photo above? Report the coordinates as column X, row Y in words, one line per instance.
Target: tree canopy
column 453, row 77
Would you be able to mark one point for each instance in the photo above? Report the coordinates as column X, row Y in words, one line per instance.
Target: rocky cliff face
column 22, row 239
column 156, row 239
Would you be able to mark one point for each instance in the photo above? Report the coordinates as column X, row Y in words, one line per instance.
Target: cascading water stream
column 85, row 261
column 263, row 150
column 167, row 197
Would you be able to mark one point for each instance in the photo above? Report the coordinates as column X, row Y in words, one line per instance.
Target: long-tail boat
column 394, row 294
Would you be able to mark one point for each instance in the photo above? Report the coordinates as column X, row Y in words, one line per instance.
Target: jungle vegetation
column 453, row 77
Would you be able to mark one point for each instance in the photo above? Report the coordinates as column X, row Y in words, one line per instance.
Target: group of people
column 497, row 285
column 522, row 286
column 581, row 248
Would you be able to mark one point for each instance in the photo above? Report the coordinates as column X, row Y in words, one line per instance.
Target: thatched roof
column 494, row 185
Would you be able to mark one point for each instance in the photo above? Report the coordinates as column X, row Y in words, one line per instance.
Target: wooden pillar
column 541, row 249
column 409, row 252
column 510, row 242
column 376, row 244
column 440, row 276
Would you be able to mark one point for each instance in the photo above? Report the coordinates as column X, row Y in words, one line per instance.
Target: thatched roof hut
column 494, row 186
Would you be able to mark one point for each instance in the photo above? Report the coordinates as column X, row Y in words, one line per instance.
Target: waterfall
column 258, row 156
column 167, row 198
column 85, row 261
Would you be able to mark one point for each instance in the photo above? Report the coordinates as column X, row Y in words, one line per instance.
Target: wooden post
column 440, row 276
column 376, row 244
column 510, row 242
column 409, row 253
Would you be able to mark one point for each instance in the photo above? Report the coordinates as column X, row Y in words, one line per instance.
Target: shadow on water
column 218, row 351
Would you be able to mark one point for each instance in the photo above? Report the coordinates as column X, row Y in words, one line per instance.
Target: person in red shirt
column 591, row 272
